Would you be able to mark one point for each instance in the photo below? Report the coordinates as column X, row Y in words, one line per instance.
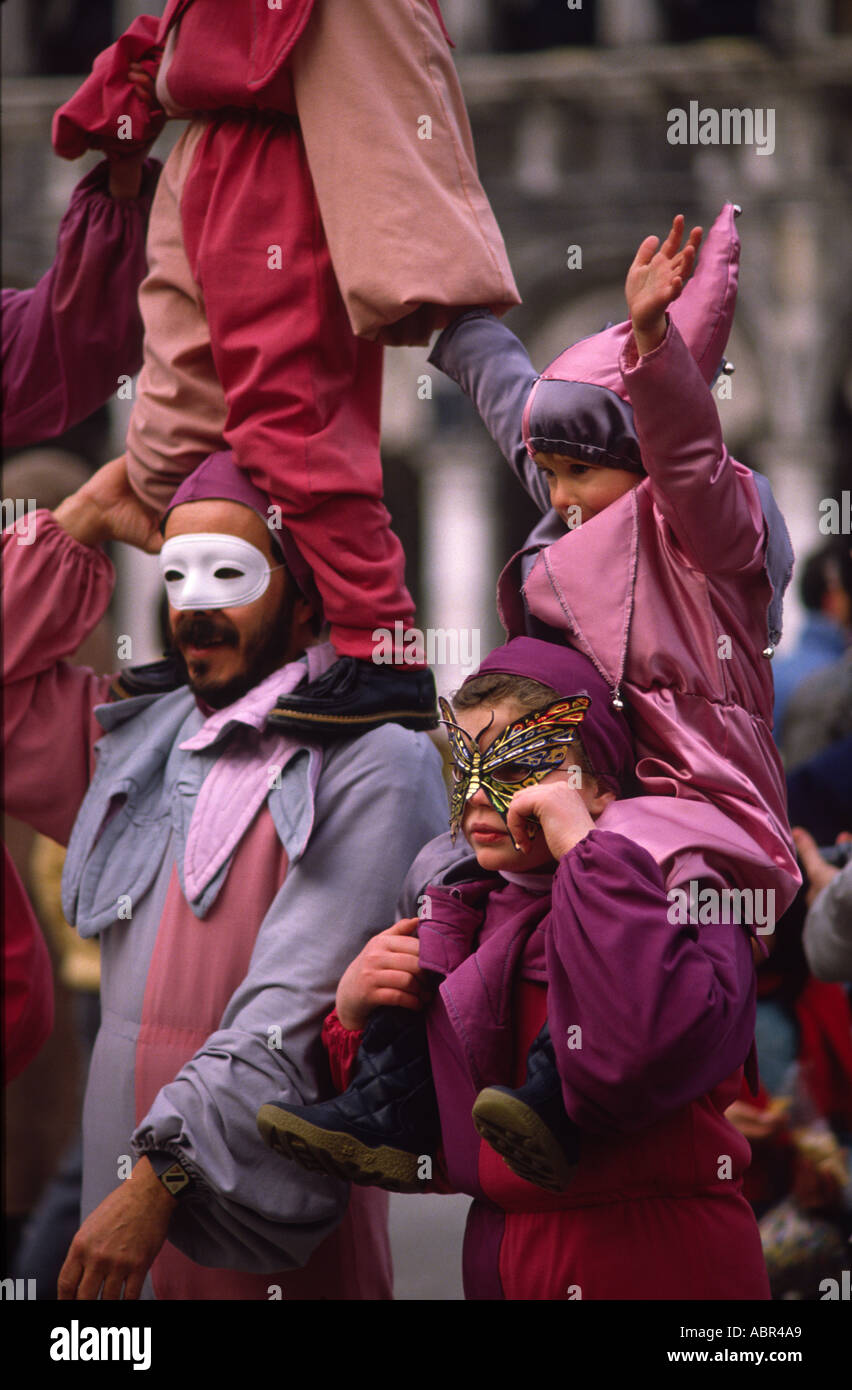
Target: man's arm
column 57, row 585
column 378, row 800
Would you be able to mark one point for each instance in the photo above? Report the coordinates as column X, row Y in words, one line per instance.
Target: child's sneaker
column 353, row 696
column 386, row 1122
column 529, row 1127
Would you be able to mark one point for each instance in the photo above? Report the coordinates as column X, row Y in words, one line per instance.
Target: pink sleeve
column 105, row 113
column 54, row 592
column 342, row 1045
column 707, row 498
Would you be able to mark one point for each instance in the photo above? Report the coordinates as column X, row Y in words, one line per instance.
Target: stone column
column 458, row 501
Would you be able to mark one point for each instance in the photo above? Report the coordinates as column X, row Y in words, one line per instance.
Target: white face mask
column 210, row 570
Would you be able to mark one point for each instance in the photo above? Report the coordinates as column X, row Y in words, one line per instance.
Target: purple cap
column 604, row 732
column 218, row 478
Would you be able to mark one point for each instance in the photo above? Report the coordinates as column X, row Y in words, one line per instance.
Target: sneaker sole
column 337, row 1154
column 522, row 1140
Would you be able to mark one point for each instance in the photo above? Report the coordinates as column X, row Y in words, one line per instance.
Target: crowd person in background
column 819, row 713
column 800, row 1122
column 825, row 587
column 828, row 926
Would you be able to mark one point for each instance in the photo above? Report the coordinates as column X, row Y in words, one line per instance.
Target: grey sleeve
column 827, row 936
column 379, row 799
column 482, row 356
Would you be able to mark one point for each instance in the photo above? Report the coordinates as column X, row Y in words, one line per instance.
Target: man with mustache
column 231, row 871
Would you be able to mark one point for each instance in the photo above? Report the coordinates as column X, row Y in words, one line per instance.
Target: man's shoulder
column 153, row 678
column 390, row 743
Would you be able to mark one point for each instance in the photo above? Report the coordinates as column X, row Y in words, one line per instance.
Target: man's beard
column 262, row 654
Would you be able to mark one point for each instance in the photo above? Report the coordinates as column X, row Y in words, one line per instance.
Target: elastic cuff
column 629, row 359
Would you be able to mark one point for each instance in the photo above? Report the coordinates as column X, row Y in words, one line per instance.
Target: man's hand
column 757, row 1125
column 107, row 509
column 655, row 279
column 118, row 1243
column 558, row 807
column 385, row 973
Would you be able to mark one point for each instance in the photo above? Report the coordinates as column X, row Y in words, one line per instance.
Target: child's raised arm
column 709, row 501
column 654, row 281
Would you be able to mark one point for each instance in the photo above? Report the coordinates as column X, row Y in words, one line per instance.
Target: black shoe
column 386, row 1122
column 528, row 1127
column 354, row 696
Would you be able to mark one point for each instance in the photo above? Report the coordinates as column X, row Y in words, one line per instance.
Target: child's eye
column 223, row 572
column 513, row 772
column 578, row 470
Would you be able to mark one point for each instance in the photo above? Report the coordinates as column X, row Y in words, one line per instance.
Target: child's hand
column 385, row 972
column 655, row 279
column 559, row 809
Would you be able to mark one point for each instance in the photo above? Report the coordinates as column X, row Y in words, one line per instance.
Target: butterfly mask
column 521, row 756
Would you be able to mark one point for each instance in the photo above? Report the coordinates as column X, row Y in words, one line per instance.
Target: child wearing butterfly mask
column 593, row 1158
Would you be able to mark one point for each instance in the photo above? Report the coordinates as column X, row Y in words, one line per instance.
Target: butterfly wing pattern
column 536, row 743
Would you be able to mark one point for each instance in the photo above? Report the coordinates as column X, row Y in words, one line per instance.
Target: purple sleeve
column 482, row 356
column 666, row 1012
column 66, row 342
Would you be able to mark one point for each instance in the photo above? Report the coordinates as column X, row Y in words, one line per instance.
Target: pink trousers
column 247, row 338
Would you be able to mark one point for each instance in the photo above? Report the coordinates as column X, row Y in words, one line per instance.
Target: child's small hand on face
column 655, row 279
column 386, row 972
column 558, row 807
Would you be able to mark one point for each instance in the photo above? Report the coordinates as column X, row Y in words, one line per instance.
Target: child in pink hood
column 670, row 558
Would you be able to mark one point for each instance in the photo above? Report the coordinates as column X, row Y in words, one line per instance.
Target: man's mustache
column 196, row 630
